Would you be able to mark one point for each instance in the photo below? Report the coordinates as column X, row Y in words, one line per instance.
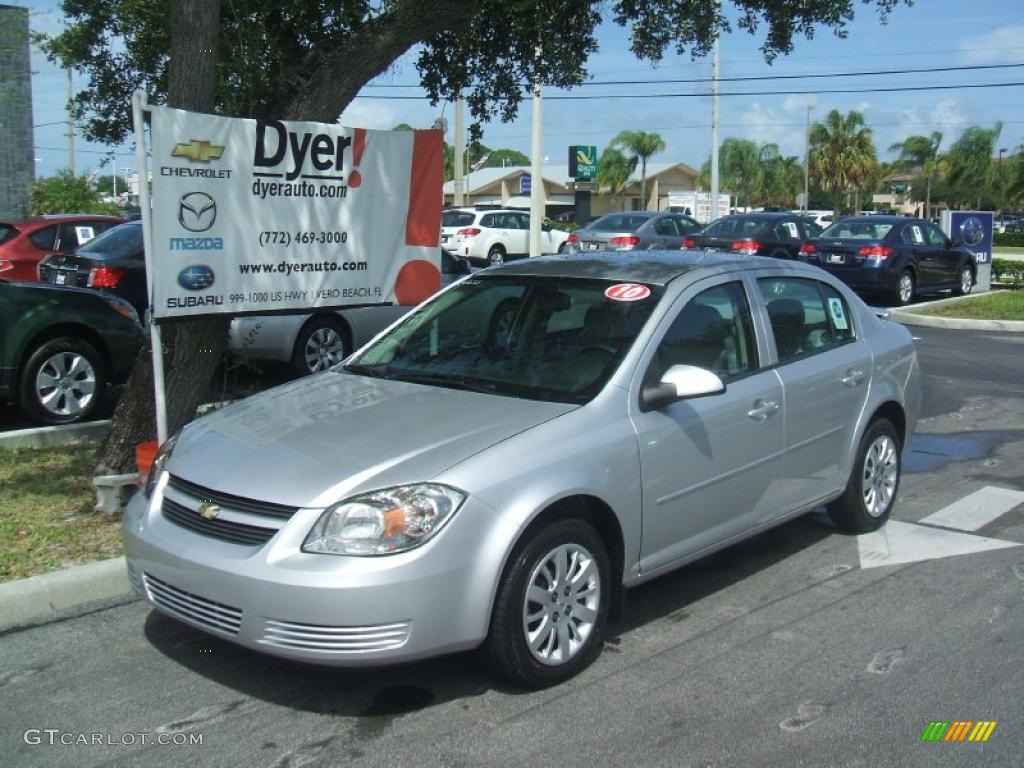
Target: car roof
column 766, row 215
column 878, row 218
column 652, row 267
column 56, row 218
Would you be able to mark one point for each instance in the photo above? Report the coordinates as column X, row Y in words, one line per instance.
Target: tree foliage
column 67, row 193
column 640, row 146
column 307, row 59
column 968, row 169
column 614, row 170
column 843, row 157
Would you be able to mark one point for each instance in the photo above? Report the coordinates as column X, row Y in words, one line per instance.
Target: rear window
column 116, row 243
column 7, row 232
column 457, row 218
column 857, row 229
column 617, row 222
column 734, row 226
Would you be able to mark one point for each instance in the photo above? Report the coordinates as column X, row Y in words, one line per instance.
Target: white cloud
column 1000, row 46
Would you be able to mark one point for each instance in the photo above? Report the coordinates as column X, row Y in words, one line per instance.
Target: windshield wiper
column 455, row 382
column 374, row 371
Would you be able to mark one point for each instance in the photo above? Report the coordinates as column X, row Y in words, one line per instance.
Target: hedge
column 1008, row 272
column 1009, row 239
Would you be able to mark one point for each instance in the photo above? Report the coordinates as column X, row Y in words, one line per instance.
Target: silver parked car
column 633, row 231
column 313, row 343
column 500, row 465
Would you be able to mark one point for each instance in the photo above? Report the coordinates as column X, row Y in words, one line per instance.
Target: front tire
column 320, row 344
column 966, row 281
column 874, row 481
column 552, row 605
column 63, row 382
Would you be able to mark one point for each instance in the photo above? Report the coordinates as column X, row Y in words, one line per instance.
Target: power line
column 750, row 78
column 706, row 94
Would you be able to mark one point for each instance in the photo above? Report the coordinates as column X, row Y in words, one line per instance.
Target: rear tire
column 496, row 256
column 63, row 381
column 874, row 481
column 552, row 605
column 320, row 344
column 965, row 282
column 906, row 288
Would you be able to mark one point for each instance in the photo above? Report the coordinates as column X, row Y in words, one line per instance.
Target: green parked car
column 61, row 349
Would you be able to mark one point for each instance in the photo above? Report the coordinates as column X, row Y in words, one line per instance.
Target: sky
column 928, row 35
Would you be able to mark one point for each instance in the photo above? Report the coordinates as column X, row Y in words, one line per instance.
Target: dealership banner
column 266, row 215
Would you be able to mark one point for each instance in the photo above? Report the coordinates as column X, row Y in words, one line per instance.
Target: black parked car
column 113, row 262
column 779, row 235
column 897, row 257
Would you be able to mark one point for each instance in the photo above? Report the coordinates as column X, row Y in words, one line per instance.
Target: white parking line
column 976, row 510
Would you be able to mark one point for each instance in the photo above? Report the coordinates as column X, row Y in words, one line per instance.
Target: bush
column 564, row 226
column 1009, row 239
column 1008, row 272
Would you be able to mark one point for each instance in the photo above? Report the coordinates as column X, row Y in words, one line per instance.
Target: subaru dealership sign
column 266, row 215
column 974, row 229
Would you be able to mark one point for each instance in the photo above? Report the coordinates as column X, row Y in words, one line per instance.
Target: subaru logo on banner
column 973, row 229
column 525, row 184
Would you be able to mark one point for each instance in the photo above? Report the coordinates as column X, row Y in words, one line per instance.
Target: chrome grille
column 200, row 610
column 225, row 530
column 382, row 637
column 230, row 501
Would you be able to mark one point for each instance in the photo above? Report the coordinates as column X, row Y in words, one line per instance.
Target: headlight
column 159, row 462
column 385, row 521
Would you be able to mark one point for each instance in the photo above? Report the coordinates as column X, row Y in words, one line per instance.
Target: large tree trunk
column 192, row 349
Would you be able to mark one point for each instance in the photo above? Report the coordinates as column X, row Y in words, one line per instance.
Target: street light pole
column 807, row 161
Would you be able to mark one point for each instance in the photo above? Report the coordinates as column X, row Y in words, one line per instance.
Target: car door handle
column 853, row 377
column 762, row 409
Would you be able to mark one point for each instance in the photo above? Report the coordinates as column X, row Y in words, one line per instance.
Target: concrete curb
column 910, row 316
column 62, row 594
column 44, row 437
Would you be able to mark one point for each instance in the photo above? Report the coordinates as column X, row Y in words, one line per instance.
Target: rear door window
column 806, row 316
column 787, row 231
column 666, row 226
column 44, row 239
column 7, row 232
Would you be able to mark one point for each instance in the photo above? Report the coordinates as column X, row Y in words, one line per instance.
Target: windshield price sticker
column 627, row 292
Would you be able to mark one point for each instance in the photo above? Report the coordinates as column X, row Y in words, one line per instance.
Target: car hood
column 315, row 441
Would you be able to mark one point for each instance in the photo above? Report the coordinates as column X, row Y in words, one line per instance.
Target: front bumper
column 326, row 609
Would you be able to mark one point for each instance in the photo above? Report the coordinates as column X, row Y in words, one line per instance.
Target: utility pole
column 713, row 208
column 457, row 153
column 71, row 129
column 113, row 167
column 536, row 172
column 807, row 161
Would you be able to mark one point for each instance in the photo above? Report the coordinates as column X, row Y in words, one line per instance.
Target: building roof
column 553, row 174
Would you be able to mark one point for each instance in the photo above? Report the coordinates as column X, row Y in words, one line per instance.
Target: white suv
column 494, row 236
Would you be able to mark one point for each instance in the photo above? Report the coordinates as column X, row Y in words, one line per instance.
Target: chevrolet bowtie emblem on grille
column 198, row 151
column 208, row 511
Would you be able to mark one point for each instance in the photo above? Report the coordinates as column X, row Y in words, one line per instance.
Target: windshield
column 734, row 226
column 856, row 229
column 555, row 339
column 116, row 243
column 457, row 218
column 618, row 222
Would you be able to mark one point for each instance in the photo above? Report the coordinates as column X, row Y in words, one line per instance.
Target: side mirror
column 677, row 383
column 546, row 225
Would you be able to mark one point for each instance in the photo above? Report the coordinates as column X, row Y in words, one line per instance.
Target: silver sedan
column 501, row 465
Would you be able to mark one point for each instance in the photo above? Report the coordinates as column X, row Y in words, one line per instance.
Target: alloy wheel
column 880, row 475
column 324, row 348
column 966, row 281
column 563, row 598
column 66, row 384
column 906, row 288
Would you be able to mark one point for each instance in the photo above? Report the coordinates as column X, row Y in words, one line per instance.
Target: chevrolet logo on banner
column 198, row 151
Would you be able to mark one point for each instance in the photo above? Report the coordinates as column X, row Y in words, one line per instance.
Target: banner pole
column 156, row 345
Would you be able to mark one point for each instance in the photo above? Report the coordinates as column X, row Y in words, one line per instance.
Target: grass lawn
column 46, row 517
column 1008, row 305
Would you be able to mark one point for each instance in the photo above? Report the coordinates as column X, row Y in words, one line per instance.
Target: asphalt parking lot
column 800, row 647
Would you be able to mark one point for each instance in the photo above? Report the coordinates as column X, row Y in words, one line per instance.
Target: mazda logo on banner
column 197, row 211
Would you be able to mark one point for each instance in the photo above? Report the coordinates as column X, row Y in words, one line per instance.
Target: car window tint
column 713, row 331
column 522, row 221
column 857, row 229
column 618, row 222
column 74, row 235
column 935, row 235
column 7, row 232
column 666, row 226
column 913, row 235
column 734, row 226
column 787, row 230
column 45, row 238
column 803, row 322
column 686, row 226
column 457, row 218
column 118, row 242
column 490, row 220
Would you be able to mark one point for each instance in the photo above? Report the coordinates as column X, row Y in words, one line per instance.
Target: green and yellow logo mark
column 958, row 730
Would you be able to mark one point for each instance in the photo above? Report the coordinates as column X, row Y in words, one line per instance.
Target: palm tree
column 969, row 166
column 739, row 169
column 614, row 170
column 843, row 156
column 782, row 178
column 920, row 154
column 641, row 146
